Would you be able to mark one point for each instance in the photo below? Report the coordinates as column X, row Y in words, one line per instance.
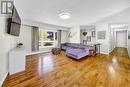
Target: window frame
column 42, row 41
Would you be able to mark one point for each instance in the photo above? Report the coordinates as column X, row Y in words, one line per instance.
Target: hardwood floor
column 120, row 51
column 47, row 70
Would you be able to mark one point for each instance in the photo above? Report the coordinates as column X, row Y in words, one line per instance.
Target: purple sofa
column 76, row 51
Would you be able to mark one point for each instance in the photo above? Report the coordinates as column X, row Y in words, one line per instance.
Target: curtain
column 35, row 39
column 59, row 38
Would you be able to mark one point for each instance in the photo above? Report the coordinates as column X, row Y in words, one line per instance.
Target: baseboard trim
column 1, row 83
column 33, row 53
column 104, row 53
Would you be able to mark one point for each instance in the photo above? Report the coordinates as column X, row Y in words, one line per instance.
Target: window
column 47, row 38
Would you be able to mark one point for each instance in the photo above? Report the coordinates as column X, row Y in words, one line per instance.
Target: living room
column 57, row 43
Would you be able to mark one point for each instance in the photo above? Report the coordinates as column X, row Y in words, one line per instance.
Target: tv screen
column 14, row 23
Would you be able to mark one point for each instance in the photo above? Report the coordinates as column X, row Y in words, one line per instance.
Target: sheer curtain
column 35, row 39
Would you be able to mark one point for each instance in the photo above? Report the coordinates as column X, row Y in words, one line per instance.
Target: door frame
column 119, row 30
column 112, row 28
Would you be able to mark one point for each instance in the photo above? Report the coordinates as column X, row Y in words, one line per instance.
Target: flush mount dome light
column 65, row 15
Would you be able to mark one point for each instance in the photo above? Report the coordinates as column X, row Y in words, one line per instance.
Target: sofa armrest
column 63, row 44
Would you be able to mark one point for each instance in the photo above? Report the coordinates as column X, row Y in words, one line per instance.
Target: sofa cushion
column 76, row 53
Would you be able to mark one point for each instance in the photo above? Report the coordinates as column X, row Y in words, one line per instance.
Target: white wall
column 75, row 33
column 43, row 25
column 26, row 38
column 129, row 47
column 7, row 42
column 129, row 40
column 64, row 36
column 93, row 39
column 104, row 42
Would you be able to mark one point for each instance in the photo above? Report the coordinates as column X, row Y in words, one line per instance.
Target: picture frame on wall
column 93, row 34
column 101, row 34
column 88, row 38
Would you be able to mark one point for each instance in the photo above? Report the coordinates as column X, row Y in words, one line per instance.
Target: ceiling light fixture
column 64, row 15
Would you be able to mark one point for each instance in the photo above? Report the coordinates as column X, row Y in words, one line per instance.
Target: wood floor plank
column 48, row 70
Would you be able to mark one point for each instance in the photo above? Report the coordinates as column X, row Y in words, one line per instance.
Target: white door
column 121, row 39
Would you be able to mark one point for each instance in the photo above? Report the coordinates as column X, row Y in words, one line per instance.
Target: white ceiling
column 83, row 11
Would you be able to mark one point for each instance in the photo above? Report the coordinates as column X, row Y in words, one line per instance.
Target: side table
column 92, row 52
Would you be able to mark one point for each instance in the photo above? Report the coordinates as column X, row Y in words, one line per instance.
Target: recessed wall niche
column 90, row 34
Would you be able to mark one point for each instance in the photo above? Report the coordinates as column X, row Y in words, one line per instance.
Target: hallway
column 120, row 51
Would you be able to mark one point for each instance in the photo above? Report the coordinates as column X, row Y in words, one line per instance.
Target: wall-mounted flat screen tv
column 14, row 23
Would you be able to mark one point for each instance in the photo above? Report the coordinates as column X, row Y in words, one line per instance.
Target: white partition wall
column 17, row 60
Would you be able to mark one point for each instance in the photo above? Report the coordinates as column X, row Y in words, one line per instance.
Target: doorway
column 121, row 38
